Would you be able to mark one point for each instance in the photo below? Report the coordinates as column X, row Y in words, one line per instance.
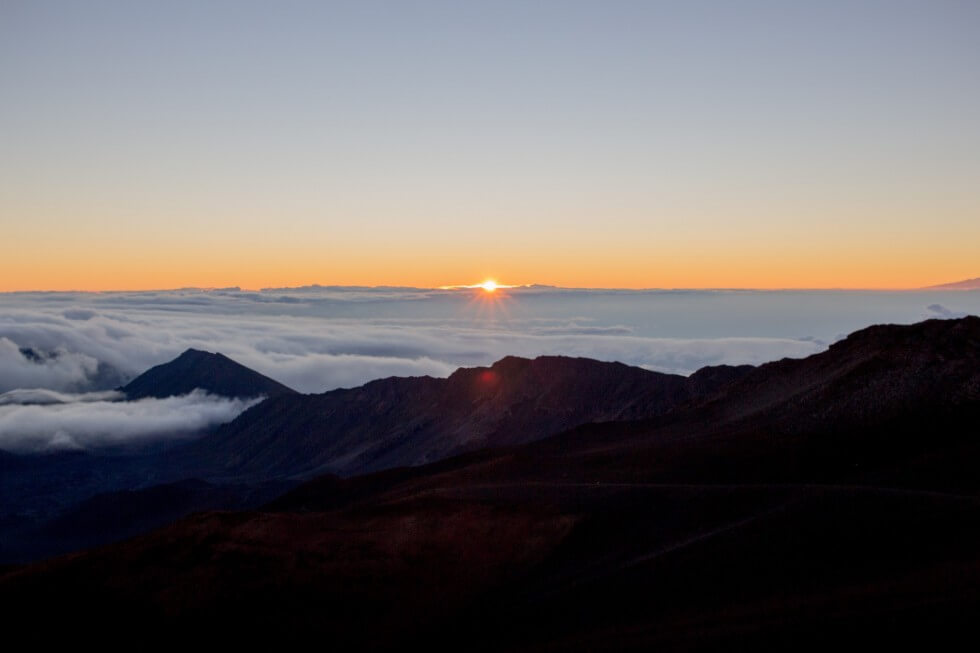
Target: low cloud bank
column 323, row 339
column 58, row 368
column 92, row 423
column 63, row 354
column 940, row 311
column 44, row 397
column 320, row 338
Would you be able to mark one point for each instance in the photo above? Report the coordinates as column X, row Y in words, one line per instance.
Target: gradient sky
column 599, row 144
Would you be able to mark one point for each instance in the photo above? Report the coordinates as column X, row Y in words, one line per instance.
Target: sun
column 488, row 286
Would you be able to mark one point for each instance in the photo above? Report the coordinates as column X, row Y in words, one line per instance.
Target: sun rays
column 487, row 285
column 488, row 301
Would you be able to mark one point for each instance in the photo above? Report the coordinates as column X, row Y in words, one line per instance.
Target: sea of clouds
column 56, row 349
column 87, row 422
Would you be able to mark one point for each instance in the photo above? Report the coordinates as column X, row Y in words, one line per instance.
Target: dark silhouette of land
column 823, row 502
column 968, row 284
column 290, row 437
column 213, row 373
column 411, row 421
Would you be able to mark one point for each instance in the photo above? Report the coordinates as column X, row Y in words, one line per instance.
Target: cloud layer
column 316, row 339
column 61, row 354
column 45, row 397
column 92, row 423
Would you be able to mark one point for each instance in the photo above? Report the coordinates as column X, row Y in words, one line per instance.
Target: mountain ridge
column 807, row 503
column 966, row 284
column 413, row 420
column 212, row 372
column 736, row 520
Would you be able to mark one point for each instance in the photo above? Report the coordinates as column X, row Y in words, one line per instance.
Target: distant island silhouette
column 967, row 284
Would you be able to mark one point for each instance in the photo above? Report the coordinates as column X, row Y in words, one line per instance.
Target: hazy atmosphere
column 491, row 325
column 317, row 339
column 694, row 144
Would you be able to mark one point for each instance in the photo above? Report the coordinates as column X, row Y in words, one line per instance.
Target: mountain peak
column 199, row 354
column 197, row 369
column 966, row 284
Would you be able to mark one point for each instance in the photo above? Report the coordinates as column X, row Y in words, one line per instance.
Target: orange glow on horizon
column 165, row 268
column 489, row 285
column 158, row 255
column 132, row 283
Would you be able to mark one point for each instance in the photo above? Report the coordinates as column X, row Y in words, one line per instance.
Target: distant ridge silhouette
column 195, row 369
column 968, row 284
column 414, row 420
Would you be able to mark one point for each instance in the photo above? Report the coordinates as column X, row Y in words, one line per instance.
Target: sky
column 149, row 145
column 63, row 354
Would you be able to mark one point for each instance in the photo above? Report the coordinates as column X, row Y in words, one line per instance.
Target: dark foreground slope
column 48, row 507
column 830, row 501
column 213, row 373
column 411, row 421
column 50, row 503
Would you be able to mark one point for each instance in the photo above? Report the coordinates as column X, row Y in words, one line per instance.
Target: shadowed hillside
column 194, row 369
column 288, row 436
column 814, row 503
column 411, row 421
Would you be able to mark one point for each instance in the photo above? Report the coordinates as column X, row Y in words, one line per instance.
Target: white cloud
column 940, row 311
column 323, row 338
column 319, row 338
column 42, row 396
column 61, row 368
column 85, row 424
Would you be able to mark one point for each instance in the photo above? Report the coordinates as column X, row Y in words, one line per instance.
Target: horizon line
column 503, row 288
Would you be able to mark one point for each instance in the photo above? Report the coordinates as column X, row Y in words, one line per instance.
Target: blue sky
column 624, row 144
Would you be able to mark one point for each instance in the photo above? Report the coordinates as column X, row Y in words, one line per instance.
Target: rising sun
column 489, row 285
